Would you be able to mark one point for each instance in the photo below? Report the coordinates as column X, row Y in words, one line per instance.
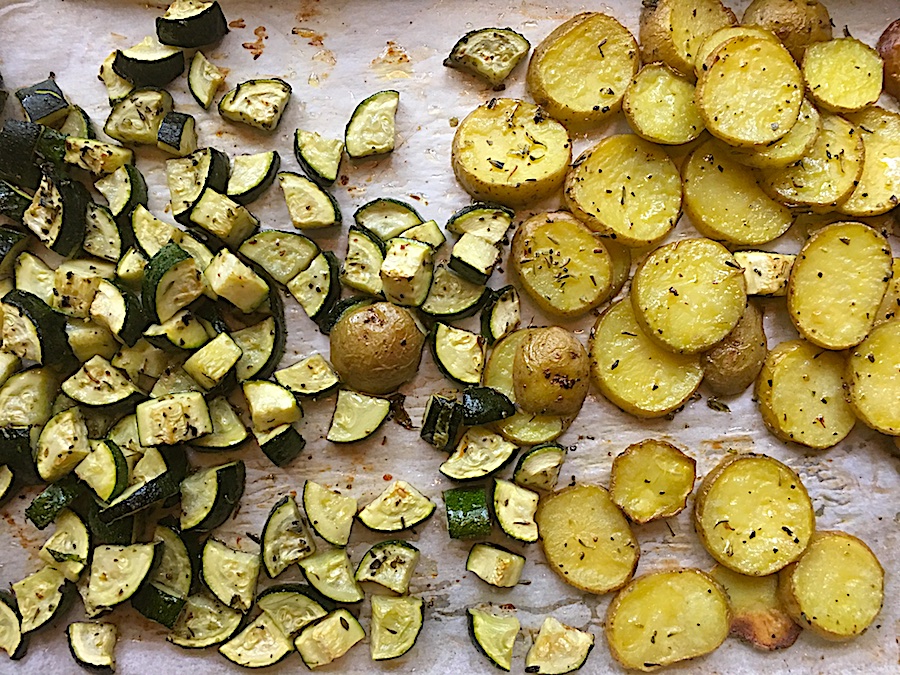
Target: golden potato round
column 551, row 372
column 843, row 75
column 732, row 365
column 376, row 348
column 715, row 40
column 563, row 265
column 510, row 152
column 797, row 24
column 889, row 49
column 579, row 72
column 659, row 106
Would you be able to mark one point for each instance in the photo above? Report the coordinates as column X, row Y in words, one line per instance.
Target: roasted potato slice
column 659, row 106
column 689, row 294
column 733, row 364
column 879, row 185
column 551, row 372
column 523, row 428
column 621, row 264
column 826, row 175
column 837, row 284
column 510, row 152
column 889, row 50
column 765, row 273
column 796, row 24
column 651, row 479
column 753, row 514
column 625, row 188
column 563, row 265
column 665, row 617
column 725, row 203
column 672, row 30
column 586, row 538
column 794, row 145
column 873, row 387
column 579, row 72
column 836, row 589
column 800, row 391
column 716, row 39
column 843, row 75
column 750, row 91
column 635, row 373
column 758, row 616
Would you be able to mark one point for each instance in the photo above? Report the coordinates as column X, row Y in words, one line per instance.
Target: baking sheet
column 334, row 54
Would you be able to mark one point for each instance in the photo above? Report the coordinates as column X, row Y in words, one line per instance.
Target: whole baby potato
column 376, row 348
column 733, row 364
column 797, row 23
column 551, row 372
column 889, row 50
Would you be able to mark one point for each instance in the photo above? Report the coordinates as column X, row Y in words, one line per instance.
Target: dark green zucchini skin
column 483, row 405
column 216, row 179
column 24, row 148
column 171, row 131
column 13, row 201
column 149, row 73
column 468, row 516
column 327, row 322
column 285, row 447
column 44, row 102
column 257, row 191
column 156, row 604
column 12, row 243
column 15, row 452
column 118, row 533
column 442, row 422
column 57, row 496
column 51, row 329
column 167, row 257
column 276, row 309
column 229, row 490
column 153, row 491
column 205, row 28
column 75, row 198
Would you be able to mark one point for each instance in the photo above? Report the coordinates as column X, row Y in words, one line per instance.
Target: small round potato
column 797, row 24
column 551, row 372
column 889, row 49
column 376, row 348
column 732, row 365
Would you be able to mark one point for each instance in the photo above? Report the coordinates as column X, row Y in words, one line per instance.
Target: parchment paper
column 334, row 54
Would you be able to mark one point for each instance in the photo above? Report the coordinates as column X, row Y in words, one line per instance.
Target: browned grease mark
column 315, row 39
column 325, row 56
column 308, row 10
column 237, row 23
column 19, row 533
column 256, row 48
column 393, row 55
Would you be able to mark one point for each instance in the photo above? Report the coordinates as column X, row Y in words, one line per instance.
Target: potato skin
column 376, row 348
column 551, row 372
column 732, row 365
column 797, row 24
column 889, row 49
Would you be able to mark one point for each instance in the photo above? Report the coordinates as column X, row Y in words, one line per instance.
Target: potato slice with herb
column 796, row 24
column 673, row 30
column 676, row 122
column 758, row 616
column 873, row 387
column 586, row 538
column 724, row 202
column 890, row 303
column 510, row 152
column 794, row 145
column 579, row 72
column 689, row 294
column 625, row 188
column 753, row 514
column 800, row 392
column 837, row 284
column 843, row 75
column 634, row 372
column 878, row 190
column 666, row 617
column 651, row 479
column 716, row 39
column 562, row 264
column 836, row 589
column 750, row 92
column 826, row 175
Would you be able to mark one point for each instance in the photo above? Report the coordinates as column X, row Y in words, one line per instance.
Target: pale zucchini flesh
column 558, row 648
